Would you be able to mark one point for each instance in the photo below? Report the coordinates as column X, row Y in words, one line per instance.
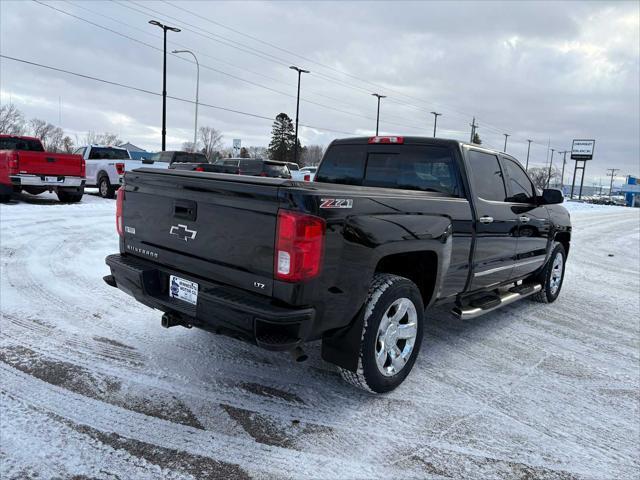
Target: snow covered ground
column 92, row 387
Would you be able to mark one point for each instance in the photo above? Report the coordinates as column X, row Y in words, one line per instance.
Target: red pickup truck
column 24, row 165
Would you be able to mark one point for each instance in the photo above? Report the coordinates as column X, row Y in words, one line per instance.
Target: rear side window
column 276, row 170
column 343, row 164
column 187, row 157
column 23, row 144
column 104, row 153
column 520, row 187
column 487, row 176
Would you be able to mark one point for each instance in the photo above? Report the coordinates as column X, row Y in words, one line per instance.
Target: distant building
column 136, row 152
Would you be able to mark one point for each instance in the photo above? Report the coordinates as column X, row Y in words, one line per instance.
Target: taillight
column 120, row 168
column 263, row 174
column 199, row 169
column 307, row 178
column 14, row 164
column 83, row 168
column 299, row 245
column 386, row 140
column 119, row 205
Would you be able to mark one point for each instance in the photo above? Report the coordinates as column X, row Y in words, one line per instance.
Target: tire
column 73, row 196
column 105, row 190
column 552, row 276
column 380, row 367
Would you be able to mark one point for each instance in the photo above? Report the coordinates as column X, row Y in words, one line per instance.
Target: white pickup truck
column 106, row 165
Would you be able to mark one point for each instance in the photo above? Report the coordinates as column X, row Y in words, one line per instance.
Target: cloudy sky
column 534, row 70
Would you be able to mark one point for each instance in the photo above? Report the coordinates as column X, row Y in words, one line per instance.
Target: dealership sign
column 582, row 149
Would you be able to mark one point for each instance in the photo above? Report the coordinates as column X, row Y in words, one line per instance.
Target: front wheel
column 552, row 276
column 393, row 323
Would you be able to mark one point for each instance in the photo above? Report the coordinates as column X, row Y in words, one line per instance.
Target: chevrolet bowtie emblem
column 182, row 232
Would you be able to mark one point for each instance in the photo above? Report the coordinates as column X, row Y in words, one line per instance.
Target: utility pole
column 528, row 151
column 564, row 161
column 295, row 146
column 550, row 164
column 378, row 114
column 164, row 79
column 613, row 173
column 195, row 128
column 473, row 128
column 506, row 135
column 435, row 122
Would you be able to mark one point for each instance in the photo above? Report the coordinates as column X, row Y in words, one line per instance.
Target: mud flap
column 342, row 346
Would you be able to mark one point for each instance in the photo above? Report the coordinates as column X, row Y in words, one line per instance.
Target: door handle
column 486, row 219
column 524, row 219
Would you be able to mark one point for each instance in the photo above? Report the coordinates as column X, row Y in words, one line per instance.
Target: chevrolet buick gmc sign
column 582, row 149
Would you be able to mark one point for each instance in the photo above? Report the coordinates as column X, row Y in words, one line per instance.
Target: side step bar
column 514, row 295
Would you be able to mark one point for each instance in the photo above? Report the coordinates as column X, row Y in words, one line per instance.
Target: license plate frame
column 53, row 180
column 183, row 289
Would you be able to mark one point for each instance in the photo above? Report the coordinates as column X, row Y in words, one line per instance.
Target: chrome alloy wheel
column 104, row 188
column 396, row 337
column 556, row 273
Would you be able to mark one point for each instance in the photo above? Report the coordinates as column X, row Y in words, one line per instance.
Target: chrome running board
column 509, row 297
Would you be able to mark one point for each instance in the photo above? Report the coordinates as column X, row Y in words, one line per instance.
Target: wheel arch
column 421, row 267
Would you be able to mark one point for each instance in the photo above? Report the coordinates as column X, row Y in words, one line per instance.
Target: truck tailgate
column 48, row 163
column 220, row 227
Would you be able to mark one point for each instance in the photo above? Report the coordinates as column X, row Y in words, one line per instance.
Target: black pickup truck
column 391, row 226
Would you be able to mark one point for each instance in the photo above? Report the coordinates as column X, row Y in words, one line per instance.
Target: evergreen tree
column 282, row 139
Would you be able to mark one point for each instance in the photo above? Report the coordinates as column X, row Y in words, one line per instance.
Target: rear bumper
column 220, row 308
column 46, row 181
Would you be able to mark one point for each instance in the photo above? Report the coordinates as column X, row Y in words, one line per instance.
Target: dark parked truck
column 391, row 227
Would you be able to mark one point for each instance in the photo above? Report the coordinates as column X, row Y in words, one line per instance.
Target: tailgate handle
column 51, row 159
column 186, row 209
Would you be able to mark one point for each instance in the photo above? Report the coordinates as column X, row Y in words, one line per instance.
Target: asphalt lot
column 93, row 387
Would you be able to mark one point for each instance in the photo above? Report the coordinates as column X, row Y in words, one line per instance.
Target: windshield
column 107, row 153
column 293, row 166
column 17, row 143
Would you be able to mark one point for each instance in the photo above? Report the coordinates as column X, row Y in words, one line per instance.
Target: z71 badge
column 336, row 203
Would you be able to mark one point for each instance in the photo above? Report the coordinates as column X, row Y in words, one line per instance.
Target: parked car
column 25, row 165
column 296, row 172
column 249, row 166
column 311, row 171
column 391, row 226
column 106, row 165
column 175, row 157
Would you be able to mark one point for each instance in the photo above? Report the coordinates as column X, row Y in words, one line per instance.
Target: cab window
column 487, row 177
column 520, row 187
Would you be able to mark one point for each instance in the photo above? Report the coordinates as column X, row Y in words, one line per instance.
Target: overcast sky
column 535, row 70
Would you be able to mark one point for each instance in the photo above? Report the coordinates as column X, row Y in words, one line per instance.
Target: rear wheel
column 392, row 334
column 552, row 276
column 70, row 196
column 104, row 187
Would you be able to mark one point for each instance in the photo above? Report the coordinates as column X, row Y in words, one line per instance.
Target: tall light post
column 435, row 122
column 378, row 115
column 295, row 146
column 528, row 151
column 164, row 79
column 195, row 128
column 506, row 135
column 564, row 162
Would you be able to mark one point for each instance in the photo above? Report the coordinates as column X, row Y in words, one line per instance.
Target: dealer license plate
column 183, row 289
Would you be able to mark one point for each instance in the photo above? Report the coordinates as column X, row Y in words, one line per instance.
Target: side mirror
column 551, row 196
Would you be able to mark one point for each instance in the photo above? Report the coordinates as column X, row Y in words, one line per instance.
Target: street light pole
column 195, row 128
column 506, row 135
column 378, row 115
column 528, row 150
column 164, row 79
column 564, row 161
column 435, row 122
column 613, row 172
column 295, row 146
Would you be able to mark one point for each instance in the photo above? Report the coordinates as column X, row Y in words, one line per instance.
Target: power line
column 150, row 92
column 345, row 112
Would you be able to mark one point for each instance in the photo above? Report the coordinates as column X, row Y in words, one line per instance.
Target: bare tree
column 212, row 141
column 311, row 155
column 188, row 147
column 52, row 137
column 258, row 152
column 67, row 144
column 11, row 120
column 106, row 138
column 540, row 176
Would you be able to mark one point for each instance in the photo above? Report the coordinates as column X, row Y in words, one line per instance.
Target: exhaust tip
column 299, row 355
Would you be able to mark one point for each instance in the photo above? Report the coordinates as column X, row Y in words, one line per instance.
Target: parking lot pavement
column 91, row 385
